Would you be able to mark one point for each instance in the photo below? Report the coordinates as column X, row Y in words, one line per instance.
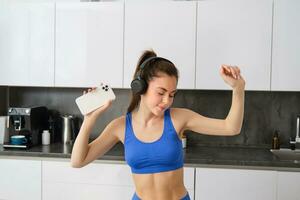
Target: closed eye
column 172, row 96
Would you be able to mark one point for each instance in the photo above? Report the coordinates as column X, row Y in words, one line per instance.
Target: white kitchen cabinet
column 94, row 181
column 234, row 32
column 20, row 179
column 74, row 191
column 189, row 180
column 288, row 186
column 286, row 42
column 27, row 44
column 169, row 28
column 235, row 184
column 89, row 44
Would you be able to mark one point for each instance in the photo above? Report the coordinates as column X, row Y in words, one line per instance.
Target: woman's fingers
column 232, row 71
column 89, row 90
column 237, row 69
column 226, row 69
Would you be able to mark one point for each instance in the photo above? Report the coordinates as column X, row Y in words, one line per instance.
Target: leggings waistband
column 186, row 197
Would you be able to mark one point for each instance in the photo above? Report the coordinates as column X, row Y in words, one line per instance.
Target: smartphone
column 95, row 99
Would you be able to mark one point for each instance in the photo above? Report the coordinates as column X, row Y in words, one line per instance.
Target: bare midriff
column 160, row 186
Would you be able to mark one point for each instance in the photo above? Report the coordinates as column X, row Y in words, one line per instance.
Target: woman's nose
column 166, row 99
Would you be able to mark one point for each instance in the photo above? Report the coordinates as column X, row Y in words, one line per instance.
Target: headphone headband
column 148, row 60
column 142, row 66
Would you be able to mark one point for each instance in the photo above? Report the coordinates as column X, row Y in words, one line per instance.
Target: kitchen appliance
column 69, row 130
column 30, row 122
column 55, row 126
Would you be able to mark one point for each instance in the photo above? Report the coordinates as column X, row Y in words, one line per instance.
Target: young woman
column 150, row 129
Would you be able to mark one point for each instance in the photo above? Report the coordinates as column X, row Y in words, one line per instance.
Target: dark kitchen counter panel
column 197, row 156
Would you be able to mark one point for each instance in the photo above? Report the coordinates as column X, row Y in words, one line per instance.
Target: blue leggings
column 186, row 197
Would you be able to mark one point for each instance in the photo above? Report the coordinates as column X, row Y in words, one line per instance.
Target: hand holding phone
column 90, row 101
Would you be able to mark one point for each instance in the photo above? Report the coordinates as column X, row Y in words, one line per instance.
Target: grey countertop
column 194, row 156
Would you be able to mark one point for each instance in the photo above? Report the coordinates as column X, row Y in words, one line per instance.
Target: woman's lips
column 161, row 108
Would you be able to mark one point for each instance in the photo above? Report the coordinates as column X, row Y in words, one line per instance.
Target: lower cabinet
column 95, row 181
column 288, row 186
column 189, row 180
column 235, row 184
column 48, row 180
column 20, row 179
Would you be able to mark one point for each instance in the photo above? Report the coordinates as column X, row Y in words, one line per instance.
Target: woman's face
column 160, row 93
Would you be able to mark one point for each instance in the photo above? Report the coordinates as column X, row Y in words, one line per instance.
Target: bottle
column 275, row 140
column 46, row 137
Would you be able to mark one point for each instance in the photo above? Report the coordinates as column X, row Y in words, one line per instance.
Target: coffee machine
column 30, row 122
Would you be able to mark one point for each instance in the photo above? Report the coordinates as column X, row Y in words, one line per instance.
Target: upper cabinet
column 169, row 28
column 238, row 33
column 286, row 45
column 27, row 44
column 89, row 44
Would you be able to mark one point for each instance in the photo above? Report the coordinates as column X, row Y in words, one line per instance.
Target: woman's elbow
column 235, row 131
column 76, row 163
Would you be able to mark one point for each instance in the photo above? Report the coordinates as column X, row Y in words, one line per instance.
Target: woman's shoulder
column 118, row 125
column 179, row 114
column 119, row 121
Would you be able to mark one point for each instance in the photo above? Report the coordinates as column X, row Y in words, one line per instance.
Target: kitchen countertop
column 194, row 156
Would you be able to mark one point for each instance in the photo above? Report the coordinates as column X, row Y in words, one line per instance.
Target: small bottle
column 275, row 140
column 46, row 137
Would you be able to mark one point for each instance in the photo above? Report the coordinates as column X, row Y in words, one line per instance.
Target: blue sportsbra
column 164, row 154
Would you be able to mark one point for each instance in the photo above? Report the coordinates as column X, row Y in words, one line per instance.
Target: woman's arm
column 233, row 122
column 234, row 119
column 83, row 152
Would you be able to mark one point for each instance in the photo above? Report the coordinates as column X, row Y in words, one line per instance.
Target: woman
column 150, row 129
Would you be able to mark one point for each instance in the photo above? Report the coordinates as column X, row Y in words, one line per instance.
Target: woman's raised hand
column 95, row 114
column 232, row 76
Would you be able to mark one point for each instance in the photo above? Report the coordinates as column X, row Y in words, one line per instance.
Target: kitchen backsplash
column 264, row 111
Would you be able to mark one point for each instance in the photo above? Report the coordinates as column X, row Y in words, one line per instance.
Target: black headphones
column 140, row 85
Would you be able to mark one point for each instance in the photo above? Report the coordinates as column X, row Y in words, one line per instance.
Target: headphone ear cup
column 138, row 86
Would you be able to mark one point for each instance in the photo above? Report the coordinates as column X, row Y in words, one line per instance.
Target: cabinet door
column 235, row 184
column 189, row 180
column 286, row 42
column 89, row 44
column 234, row 32
column 288, row 185
column 77, row 191
column 20, row 179
column 169, row 28
column 27, row 44
column 94, row 181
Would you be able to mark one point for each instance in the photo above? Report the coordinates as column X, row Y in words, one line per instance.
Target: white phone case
column 95, row 99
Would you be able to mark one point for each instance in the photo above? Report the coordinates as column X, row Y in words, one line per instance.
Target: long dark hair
column 149, row 72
